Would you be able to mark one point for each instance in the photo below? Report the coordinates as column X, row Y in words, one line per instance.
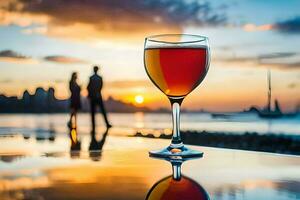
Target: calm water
column 128, row 123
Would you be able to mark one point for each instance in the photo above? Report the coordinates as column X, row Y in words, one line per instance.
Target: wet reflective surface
column 62, row 167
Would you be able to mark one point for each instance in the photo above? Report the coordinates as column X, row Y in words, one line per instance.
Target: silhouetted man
column 94, row 93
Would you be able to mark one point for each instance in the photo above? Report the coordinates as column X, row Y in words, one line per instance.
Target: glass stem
column 176, row 168
column 176, row 139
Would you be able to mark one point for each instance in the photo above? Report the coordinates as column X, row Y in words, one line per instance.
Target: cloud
column 253, row 27
column 277, row 55
column 6, row 81
column 64, row 59
column 85, row 19
column 291, row 26
column 282, row 65
column 59, row 81
column 288, row 26
column 35, row 30
column 12, row 56
column 125, row 84
column 292, row 85
column 280, row 60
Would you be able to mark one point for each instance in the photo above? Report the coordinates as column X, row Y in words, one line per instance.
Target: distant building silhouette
column 44, row 101
column 40, row 99
column 26, row 98
column 51, row 100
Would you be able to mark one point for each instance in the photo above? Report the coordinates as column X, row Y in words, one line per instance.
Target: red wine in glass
column 176, row 64
column 176, row 71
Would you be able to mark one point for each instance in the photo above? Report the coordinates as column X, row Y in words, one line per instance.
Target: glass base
column 169, row 152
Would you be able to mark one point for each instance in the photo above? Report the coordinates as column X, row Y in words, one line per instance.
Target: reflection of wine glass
column 176, row 64
column 169, row 188
column 177, row 186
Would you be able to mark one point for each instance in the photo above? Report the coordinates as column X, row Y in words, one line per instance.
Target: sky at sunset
column 43, row 41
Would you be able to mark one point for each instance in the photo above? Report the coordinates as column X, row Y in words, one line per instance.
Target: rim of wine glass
column 152, row 38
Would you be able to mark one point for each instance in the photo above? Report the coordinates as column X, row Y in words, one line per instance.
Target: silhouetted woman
column 75, row 103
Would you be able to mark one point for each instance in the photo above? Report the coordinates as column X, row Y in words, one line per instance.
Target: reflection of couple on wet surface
column 95, row 98
column 95, row 146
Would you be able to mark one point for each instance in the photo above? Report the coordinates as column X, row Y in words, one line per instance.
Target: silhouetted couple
column 95, row 98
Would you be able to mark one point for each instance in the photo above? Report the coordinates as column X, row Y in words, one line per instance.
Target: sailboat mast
column 269, row 90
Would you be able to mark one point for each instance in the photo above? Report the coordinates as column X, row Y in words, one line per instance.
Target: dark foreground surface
column 284, row 144
column 32, row 169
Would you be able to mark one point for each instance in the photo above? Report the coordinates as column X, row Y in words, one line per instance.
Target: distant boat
column 267, row 112
column 221, row 115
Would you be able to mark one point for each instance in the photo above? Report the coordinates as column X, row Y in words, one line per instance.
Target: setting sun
column 139, row 99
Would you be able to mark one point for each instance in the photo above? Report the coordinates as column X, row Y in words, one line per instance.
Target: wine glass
column 176, row 64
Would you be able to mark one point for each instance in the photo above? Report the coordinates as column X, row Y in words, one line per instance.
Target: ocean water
column 130, row 122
